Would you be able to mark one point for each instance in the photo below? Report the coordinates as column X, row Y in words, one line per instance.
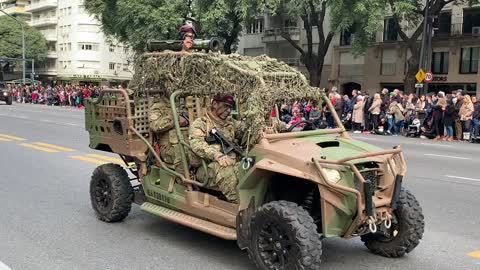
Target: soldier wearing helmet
column 187, row 34
column 222, row 173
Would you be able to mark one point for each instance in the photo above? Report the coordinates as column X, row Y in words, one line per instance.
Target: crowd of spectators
column 437, row 116
column 68, row 95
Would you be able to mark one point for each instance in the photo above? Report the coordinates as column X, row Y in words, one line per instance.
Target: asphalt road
column 46, row 221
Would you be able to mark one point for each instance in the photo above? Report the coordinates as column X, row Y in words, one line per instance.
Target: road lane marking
column 107, row 158
column 434, row 155
column 71, row 124
column 433, row 144
column 54, row 146
column 474, row 254
column 4, row 266
column 12, row 137
column 48, row 150
column 5, row 140
column 462, row 178
column 91, row 160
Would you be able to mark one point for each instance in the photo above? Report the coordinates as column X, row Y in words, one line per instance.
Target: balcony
column 290, row 61
column 349, row 71
column 14, row 10
column 50, row 37
column 44, row 22
column 275, row 34
column 42, row 5
column 52, row 54
column 457, row 30
column 46, row 71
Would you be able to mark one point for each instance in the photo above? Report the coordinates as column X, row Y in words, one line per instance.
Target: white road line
column 71, row 124
column 440, row 145
column 463, row 178
column 4, row 266
column 453, row 157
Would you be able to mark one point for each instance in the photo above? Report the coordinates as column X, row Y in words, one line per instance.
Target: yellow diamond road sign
column 420, row 76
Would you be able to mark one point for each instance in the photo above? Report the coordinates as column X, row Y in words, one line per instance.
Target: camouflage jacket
column 201, row 127
column 160, row 116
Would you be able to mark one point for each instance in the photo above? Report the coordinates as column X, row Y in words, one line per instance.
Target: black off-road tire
column 111, row 193
column 9, row 100
column 410, row 229
column 300, row 244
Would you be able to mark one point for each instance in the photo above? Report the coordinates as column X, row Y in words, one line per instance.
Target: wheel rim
column 103, row 195
column 274, row 246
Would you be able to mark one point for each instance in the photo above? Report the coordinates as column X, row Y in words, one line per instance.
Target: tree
column 134, row 22
column 11, row 40
column 225, row 18
column 409, row 16
column 344, row 14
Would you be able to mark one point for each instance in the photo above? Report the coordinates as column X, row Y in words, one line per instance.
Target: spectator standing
column 466, row 115
column 374, row 110
column 475, row 133
column 458, row 124
column 449, row 120
column 396, row 109
column 437, row 116
column 357, row 116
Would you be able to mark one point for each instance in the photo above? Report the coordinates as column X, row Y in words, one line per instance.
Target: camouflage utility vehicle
column 295, row 188
column 5, row 94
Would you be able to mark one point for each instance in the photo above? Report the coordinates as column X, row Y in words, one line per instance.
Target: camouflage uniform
column 223, row 178
column 160, row 119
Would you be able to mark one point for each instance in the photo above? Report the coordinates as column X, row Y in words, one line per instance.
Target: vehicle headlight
column 5, row 93
column 332, row 175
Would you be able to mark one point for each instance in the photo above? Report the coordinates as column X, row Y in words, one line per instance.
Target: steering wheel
column 308, row 125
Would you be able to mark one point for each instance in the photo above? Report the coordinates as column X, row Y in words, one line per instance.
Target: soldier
column 160, row 119
column 187, row 34
column 222, row 171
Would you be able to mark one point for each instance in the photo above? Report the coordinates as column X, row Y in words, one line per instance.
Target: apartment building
column 455, row 53
column 78, row 52
column 15, row 8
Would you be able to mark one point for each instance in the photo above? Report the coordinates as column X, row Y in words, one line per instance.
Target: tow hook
column 372, row 224
column 388, row 221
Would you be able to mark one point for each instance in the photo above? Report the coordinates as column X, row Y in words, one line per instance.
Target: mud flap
column 396, row 191
column 243, row 225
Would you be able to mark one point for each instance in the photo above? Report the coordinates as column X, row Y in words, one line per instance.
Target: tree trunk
column 314, row 65
column 413, row 66
column 227, row 47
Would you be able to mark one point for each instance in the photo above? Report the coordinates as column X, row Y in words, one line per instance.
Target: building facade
column 78, row 52
column 15, row 8
column 454, row 59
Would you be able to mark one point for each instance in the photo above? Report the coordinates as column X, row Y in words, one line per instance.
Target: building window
column 389, row 63
column 443, row 24
column 440, row 62
column 111, row 48
column 125, row 67
column 347, row 36
column 390, row 31
column 88, row 47
column 469, row 60
column 256, row 27
column 111, row 66
column 471, row 22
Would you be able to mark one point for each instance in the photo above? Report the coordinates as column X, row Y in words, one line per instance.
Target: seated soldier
column 160, row 119
column 222, row 171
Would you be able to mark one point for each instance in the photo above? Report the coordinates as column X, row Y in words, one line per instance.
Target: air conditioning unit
column 476, row 31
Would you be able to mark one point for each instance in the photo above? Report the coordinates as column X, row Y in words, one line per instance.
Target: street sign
column 419, row 85
column 428, row 76
column 420, row 76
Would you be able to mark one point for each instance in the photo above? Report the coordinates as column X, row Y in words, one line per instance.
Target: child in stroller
column 414, row 128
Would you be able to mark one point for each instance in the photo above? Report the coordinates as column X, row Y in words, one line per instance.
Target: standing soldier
column 160, row 115
column 222, row 171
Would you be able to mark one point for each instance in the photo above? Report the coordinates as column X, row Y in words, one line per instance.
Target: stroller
column 413, row 129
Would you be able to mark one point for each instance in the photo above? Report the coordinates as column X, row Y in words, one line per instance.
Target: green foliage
column 224, row 18
column 134, row 22
column 11, row 40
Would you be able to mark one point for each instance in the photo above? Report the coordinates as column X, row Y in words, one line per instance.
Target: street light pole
column 23, row 42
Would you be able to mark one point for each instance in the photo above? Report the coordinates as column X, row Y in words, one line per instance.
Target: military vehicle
column 295, row 188
column 5, row 94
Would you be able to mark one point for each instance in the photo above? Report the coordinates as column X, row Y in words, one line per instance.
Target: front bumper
column 374, row 200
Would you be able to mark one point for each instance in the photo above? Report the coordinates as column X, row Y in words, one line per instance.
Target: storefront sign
column 85, row 76
column 440, row 78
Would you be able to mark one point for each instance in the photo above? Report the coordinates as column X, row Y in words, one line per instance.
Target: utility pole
column 23, row 42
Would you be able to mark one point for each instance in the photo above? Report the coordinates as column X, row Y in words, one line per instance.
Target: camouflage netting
column 257, row 82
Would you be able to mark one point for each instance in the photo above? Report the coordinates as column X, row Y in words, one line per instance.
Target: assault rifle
column 213, row 44
column 215, row 136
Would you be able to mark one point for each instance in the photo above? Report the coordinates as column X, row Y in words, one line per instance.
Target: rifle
column 215, row 136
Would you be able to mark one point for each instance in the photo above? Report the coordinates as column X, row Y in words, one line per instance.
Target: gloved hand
column 224, row 160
